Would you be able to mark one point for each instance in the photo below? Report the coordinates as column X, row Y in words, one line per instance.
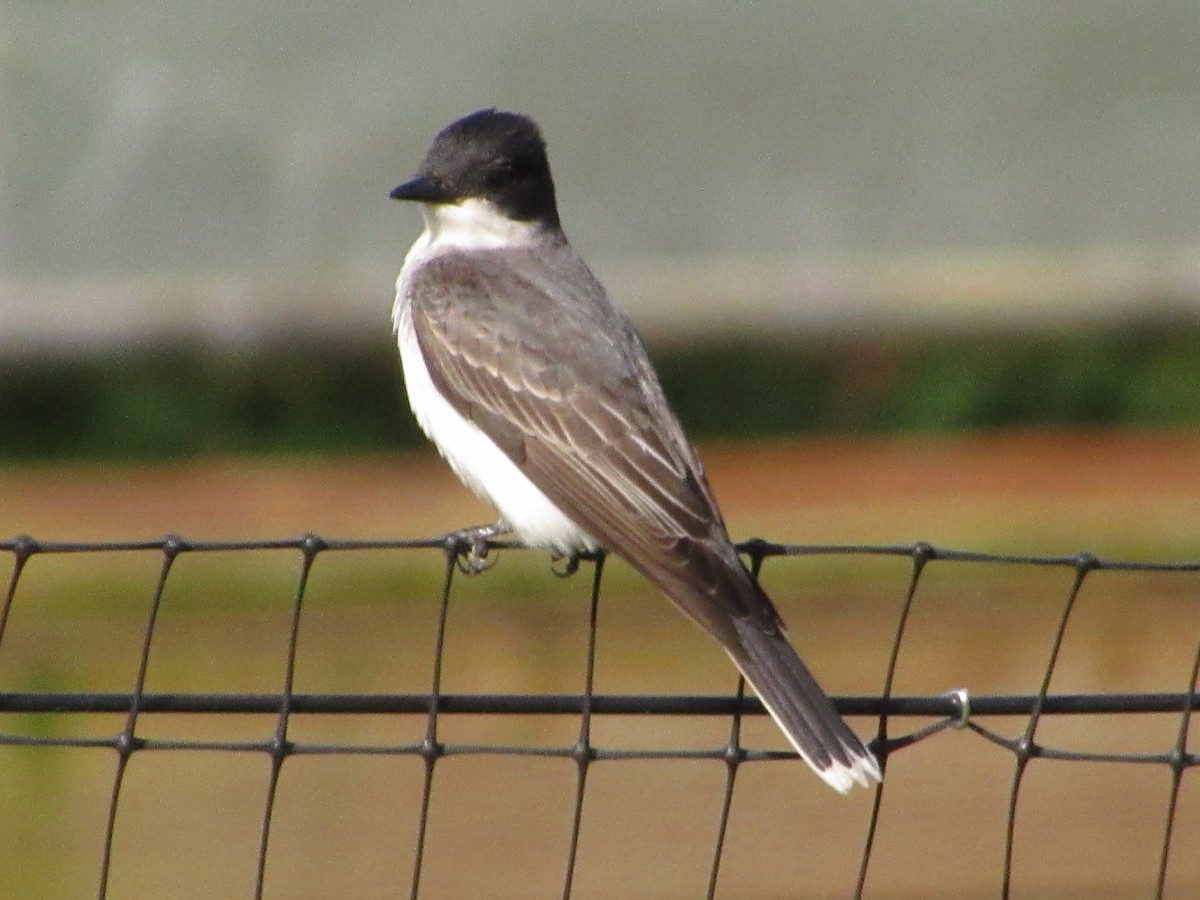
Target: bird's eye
column 501, row 173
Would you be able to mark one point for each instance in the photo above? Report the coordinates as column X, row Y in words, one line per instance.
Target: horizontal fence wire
column 956, row 709
column 949, row 706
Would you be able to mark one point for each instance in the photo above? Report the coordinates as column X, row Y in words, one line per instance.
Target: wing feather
column 583, row 415
column 562, row 385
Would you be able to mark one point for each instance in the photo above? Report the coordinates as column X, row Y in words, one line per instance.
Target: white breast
column 474, row 457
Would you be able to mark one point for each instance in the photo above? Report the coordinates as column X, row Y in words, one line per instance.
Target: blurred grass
column 187, row 823
column 186, row 400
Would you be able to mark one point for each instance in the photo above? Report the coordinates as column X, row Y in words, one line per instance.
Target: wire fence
column 31, row 719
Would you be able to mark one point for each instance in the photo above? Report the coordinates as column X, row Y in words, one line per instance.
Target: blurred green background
column 182, row 400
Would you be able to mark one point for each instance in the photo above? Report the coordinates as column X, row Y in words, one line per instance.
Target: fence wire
column 955, row 709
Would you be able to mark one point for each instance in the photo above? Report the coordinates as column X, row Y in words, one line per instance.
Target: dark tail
column 710, row 585
column 800, row 708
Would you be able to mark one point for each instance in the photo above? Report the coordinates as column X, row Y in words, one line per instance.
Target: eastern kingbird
column 537, row 390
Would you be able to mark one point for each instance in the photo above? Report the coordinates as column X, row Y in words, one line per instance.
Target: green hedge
column 191, row 399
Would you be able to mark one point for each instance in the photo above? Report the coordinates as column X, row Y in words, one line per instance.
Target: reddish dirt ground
column 1066, row 490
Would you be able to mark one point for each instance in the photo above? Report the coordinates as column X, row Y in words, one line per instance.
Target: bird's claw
column 471, row 545
column 474, row 555
column 570, row 563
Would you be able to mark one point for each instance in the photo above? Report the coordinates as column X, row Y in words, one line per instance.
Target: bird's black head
column 495, row 156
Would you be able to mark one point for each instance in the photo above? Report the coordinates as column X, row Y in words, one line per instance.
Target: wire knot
column 962, row 697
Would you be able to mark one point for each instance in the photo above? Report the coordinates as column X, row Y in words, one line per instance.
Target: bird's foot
column 571, row 559
column 472, row 547
column 570, row 563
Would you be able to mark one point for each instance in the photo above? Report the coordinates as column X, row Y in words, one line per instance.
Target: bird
column 538, row 391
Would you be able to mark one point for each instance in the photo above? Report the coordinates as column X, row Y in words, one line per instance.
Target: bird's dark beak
column 422, row 189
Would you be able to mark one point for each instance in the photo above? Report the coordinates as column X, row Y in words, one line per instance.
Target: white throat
column 474, row 225
column 474, row 457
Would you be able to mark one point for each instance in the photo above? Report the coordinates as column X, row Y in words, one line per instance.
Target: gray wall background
column 157, row 158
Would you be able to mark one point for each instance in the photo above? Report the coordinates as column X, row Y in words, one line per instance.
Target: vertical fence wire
column 22, row 549
column 127, row 742
column 1179, row 763
column 431, row 748
column 582, row 751
column 733, row 756
column 280, row 747
column 922, row 554
column 960, row 709
column 1026, row 747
